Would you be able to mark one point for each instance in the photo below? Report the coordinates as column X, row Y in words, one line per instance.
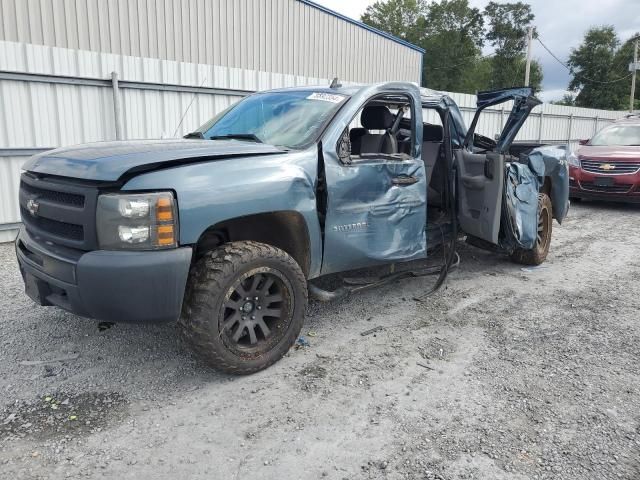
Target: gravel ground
column 505, row 374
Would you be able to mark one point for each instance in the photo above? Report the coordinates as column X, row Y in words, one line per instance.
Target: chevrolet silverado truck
column 223, row 230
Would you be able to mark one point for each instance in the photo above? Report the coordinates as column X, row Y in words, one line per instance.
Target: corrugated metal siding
column 9, row 210
column 283, row 36
column 41, row 114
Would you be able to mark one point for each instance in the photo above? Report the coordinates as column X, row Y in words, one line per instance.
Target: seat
column 355, row 138
column 377, row 117
column 431, row 142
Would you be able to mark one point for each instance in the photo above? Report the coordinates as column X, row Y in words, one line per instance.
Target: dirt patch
column 436, row 348
column 61, row 415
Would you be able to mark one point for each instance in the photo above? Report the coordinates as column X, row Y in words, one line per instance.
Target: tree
column 621, row 61
column 403, row 18
column 508, row 24
column 593, row 68
column 453, row 42
column 451, row 32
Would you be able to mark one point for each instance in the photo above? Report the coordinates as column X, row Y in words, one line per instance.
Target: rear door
column 480, row 185
column 480, row 175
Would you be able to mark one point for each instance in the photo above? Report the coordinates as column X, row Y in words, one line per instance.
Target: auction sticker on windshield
column 326, row 97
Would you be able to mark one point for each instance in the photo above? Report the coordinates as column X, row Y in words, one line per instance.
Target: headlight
column 140, row 221
column 572, row 159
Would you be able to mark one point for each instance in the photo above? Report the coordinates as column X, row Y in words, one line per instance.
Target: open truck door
column 480, row 176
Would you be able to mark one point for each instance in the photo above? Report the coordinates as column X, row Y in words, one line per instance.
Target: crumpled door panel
column 372, row 221
column 521, row 193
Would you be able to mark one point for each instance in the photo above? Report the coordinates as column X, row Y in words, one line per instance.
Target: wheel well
column 285, row 230
column 546, row 188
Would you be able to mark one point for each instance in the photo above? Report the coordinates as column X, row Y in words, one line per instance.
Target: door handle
column 404, row 180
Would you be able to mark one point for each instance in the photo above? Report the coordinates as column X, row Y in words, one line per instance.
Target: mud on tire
column 244, row 306
column 538, row 254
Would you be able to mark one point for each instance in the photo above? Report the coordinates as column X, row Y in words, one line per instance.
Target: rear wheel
column 538, row 254
column 244, row 306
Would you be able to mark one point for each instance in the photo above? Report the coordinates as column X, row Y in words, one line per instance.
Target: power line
column 578, row 74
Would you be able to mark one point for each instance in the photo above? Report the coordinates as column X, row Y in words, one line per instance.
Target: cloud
column 550, row 95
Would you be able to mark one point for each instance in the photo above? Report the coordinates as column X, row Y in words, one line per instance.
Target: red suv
column 607, row 167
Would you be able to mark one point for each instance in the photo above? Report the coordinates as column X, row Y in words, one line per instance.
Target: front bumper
column 622, row 188
column 114, row 286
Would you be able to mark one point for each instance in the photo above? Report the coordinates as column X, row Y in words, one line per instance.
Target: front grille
column 54, row 227
column 58, row 197
column 605, row 188
column 60, row 211
column 602, row 167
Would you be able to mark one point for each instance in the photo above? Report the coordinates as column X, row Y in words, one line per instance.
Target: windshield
column 620, row 135
column 289, row 119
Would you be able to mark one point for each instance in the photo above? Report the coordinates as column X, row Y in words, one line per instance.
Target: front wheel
column 244, row 306
column 538, row 254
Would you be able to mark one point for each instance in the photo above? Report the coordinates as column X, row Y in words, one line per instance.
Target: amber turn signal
column 165, row 235
column 164, row 210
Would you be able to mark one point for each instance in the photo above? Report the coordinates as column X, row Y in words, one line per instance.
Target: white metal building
column 296, row 37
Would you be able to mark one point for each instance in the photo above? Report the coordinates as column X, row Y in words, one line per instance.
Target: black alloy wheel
column 256, row 311
column 244, row 306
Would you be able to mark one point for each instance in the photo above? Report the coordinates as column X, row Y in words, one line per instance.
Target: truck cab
column 225, row 230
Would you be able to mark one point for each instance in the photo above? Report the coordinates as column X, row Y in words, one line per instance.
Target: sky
column 561, row 25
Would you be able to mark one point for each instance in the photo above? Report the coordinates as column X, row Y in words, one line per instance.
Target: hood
column 109, row 161
column 612, row 152
column 523, row 103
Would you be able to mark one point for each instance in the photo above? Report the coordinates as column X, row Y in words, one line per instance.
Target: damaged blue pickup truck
column 223, row 230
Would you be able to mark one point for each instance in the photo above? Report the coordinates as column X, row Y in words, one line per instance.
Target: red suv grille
column 609, row 168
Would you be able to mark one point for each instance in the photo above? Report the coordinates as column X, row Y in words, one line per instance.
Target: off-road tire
column 211, row 278
column 538, row 254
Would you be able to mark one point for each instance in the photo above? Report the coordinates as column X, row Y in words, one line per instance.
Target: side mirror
column 584, row 141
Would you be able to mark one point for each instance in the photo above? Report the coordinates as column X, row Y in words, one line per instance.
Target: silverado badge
column 33, row 206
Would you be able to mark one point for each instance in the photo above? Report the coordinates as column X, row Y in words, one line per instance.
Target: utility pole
column 529, row 42
column 633, row 76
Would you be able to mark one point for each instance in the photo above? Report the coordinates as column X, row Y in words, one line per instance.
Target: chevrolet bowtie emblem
column 607, row 166
column 33, row 206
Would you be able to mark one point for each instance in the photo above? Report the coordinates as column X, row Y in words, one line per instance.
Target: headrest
column 432, row 133
column 376, row 117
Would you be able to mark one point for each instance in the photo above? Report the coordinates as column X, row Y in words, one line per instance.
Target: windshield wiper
column 237, row 136
column 194, row 135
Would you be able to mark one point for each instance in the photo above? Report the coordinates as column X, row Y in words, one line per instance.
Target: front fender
column 212, row 192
